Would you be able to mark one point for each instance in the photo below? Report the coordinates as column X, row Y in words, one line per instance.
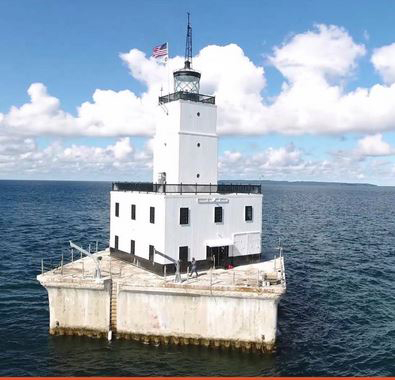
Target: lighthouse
column 157, row 228
column 184, row 212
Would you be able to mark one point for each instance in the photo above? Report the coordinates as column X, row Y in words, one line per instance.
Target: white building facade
column 184, row 213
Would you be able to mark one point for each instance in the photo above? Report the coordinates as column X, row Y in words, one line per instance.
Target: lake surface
column 337, row 317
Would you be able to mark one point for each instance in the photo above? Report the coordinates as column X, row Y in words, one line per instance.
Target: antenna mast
column 188, row 46
column 187, row 80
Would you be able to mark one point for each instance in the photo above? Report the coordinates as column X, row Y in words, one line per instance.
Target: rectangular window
column 133, row 212
column 183, row 254
column 184, row 215
column 116, row 209
column 116, row 242
column 151, row 252
column 218, row 215
column 132, row 247
column 248, row 213
column 152, row 214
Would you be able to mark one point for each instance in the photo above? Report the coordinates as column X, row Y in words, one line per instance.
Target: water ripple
column 337, row 318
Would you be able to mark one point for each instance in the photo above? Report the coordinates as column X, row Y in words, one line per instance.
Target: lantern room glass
column 187, row 82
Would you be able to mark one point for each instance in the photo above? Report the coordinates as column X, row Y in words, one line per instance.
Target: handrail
column 184, row 95
column 96, row 261
column 177, row 277
column 181, row 188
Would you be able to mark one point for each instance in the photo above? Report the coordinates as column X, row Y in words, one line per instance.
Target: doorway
column 183, row 258
column 219, row 255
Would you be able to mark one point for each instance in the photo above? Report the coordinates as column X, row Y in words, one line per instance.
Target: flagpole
column 168, row 74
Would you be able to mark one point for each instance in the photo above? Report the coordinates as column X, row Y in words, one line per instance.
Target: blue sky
column 73, row 49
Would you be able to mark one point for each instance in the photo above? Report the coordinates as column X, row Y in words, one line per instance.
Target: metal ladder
column 113, row 306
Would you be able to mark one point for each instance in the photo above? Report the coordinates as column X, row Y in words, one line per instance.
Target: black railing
column 187, row 96
column 181, row 188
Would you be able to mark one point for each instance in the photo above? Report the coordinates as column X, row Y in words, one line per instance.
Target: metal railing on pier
column 66, row 257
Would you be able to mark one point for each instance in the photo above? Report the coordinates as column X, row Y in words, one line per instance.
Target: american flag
column 160, row 51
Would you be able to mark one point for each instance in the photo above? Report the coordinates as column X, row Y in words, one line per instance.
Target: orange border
column 203, row 378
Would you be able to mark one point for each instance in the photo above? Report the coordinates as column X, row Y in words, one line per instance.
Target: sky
column 305, row 89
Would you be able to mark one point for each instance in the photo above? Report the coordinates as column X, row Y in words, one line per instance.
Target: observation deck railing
column 181, row 188
column 183, row 95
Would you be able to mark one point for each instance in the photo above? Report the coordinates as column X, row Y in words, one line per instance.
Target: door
column 183, row 257
column 220, row 256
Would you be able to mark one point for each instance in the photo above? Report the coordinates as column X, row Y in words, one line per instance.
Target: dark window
column 152, row 214
column 198, row 145
column 151, row 253
column 218, row 215
column 133, row 212
column 183, row 254
column 132, row 246
column 116, row 242
column 248, row 213
column 197, row 175
column 116, row 209
column 184, row 215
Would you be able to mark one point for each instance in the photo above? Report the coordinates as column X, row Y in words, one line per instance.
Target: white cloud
column 292, row 163
column 231, row 157
column 41, row 115
column 367, row 147
column 10, row 145
column 383, row 60
column 11, row 150
column 110, row 114
column 326, row 51
column 227, row 73
column 281, row 157
column 313, row 100
column 272, row 162
column 374, row 145
column 120, row 151
column 116, row 114
column 20, row 157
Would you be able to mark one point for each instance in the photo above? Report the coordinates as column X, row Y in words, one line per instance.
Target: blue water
column 337, row 318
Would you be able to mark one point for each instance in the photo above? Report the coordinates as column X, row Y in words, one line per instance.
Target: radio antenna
column 188, row 45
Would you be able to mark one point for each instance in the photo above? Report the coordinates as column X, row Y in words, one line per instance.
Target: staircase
column 113, row 307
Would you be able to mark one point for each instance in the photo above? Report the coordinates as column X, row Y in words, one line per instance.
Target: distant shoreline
column 251, row 181
column 266, row 181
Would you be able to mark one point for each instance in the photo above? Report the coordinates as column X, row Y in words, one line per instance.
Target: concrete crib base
column 220, row 309
column 157, row 340
column 78, row 332
column 165, row 340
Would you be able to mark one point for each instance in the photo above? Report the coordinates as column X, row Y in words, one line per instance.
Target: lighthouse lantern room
column 185, row 213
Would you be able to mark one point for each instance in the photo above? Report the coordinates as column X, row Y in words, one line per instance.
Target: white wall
column 166, row 143
column 175, row 143
column 79, row 306
column 201, row 222
column 167, row 235
column 205, row 123
column 141, row 230
column 198, row 160
column 206, row 316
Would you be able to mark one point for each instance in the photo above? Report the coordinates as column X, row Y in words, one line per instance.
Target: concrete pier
column 235, row 308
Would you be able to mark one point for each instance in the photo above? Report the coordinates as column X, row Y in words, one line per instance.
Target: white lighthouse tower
column 184, row 213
